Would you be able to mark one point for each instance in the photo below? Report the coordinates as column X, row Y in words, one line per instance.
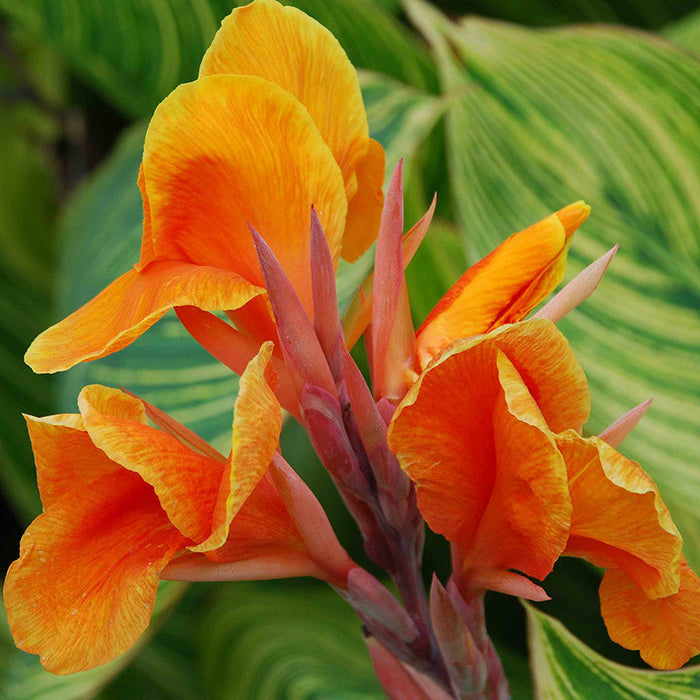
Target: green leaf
column 566, row 668
column 402, row 118
column 28, row 199
column 373, row 39
column 134, row 52
column 286, row 640
column 686, row 31
column 289, row 640
column 538, row 119
column 638, row 13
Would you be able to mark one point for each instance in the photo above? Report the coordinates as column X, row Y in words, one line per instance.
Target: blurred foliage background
column 509, row 109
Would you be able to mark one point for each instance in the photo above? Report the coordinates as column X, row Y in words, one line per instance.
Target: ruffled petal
column 486, row 469
column 186, row 482
column 506, row 285
column 257, row 423
column 148, row 253
column 129, row 306
column 547, row 365
column 262, row 527
column 526, row 522
column 230, row 150
column 287, row 47
column 619, row 519
column 64, row 455
column 665, row 630
column 83, row 589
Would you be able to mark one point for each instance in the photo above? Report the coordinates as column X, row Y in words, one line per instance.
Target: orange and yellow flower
column 490, row 435
column 274, row 124
column 126, row 503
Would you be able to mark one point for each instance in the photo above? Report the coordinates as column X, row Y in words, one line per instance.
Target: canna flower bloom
column 126, row 503
column 274, row 124
column 490, row 435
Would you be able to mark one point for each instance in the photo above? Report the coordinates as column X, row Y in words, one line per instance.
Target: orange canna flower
column 126, row 503
column 490, row 435
column 495, row 472
column 274, row 124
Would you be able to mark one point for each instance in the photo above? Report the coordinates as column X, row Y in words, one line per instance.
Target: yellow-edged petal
column 83, row 589
column 619, row 519
column 186, row 482
column 130, row 305
column 547, row 366
column 148, row 253
column 257, row 423
column 506, row 285
column 665, row 630
column 64, row 455
column 230, row 150
column 289, row 48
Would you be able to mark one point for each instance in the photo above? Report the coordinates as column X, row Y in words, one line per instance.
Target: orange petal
column 365, row 208
column 619, row 519
column 526, row 522
column 83, row 588
column 148, row 253
column 506, row 285
column 125, row 309
column 289, row 48
column 167, row 423
column 257, row 423
column 64, row 455
column 665, row 630
column 186, row 482
column 212, row 167
column 547, row 365
column 486, row 469
column 261, row 528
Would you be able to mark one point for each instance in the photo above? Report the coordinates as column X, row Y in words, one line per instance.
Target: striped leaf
column 637, row 13
column 537, row 119
column 566, row 669
column 290, row 640
column 134, row 52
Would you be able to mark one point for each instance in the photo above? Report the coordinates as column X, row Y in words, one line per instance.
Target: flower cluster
column 256, row 178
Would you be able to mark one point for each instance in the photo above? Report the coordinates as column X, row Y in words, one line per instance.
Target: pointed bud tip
column 616, row 433
column 258, row 240
column 397, row 175
column 573, row 215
